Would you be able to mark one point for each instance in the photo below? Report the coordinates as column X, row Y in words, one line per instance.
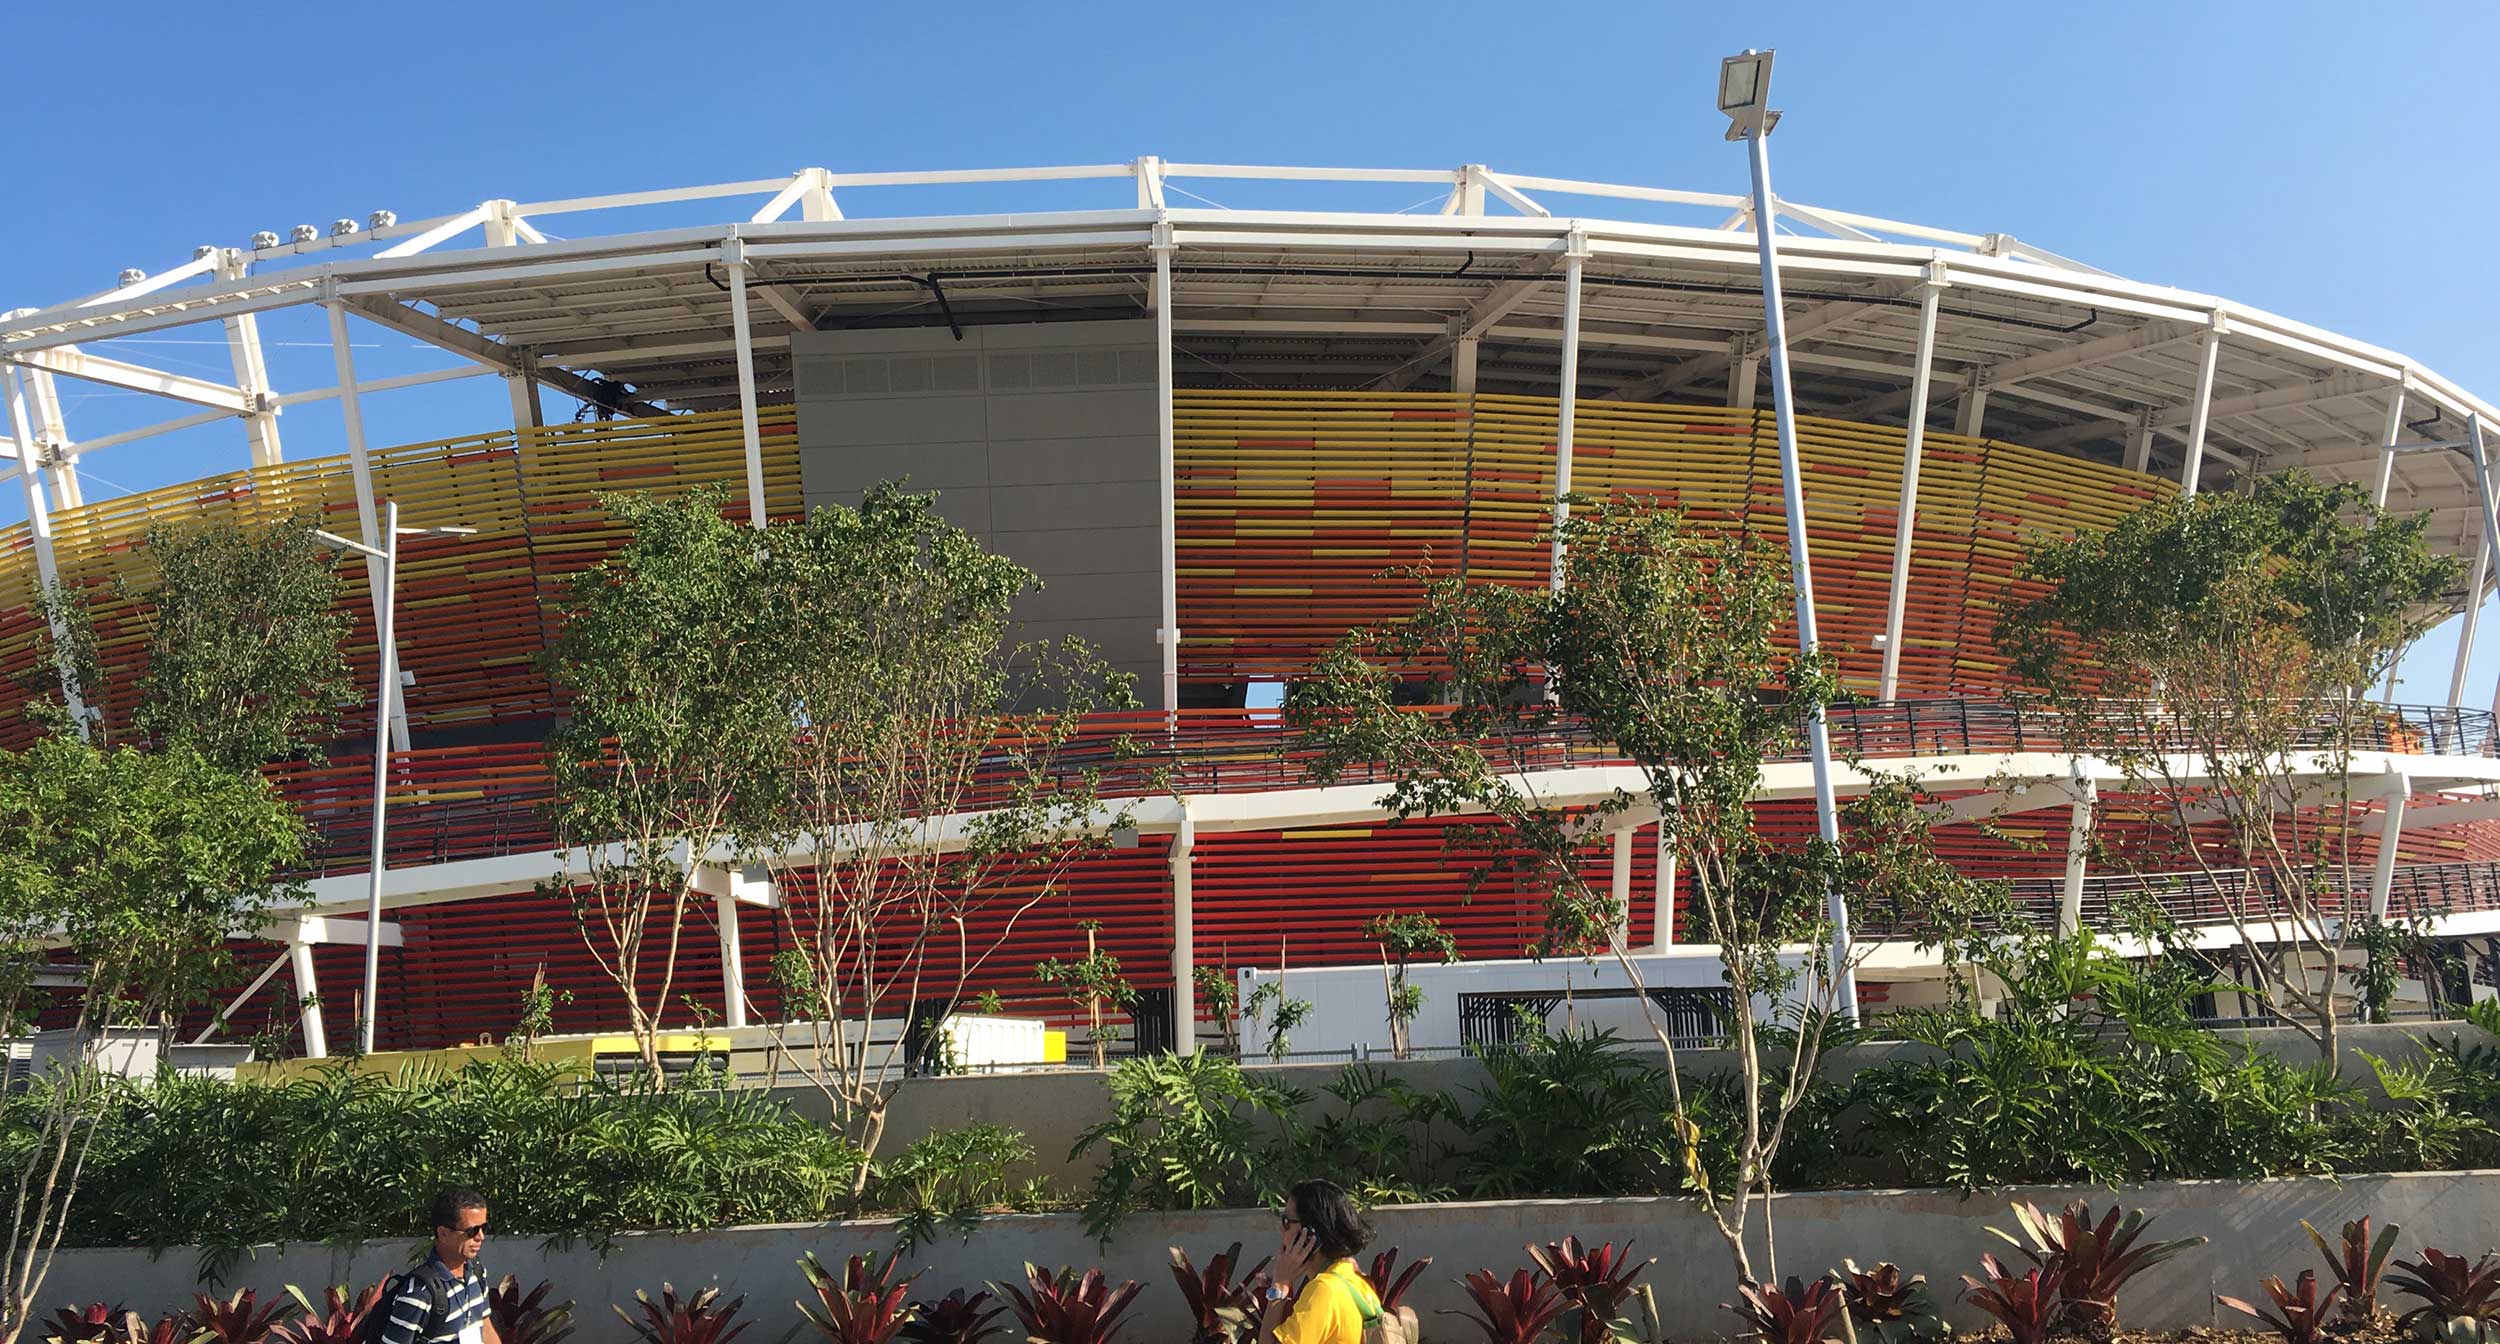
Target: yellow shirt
column 1330, row 1308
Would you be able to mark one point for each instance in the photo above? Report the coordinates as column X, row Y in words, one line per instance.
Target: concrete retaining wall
column 2253, row 1229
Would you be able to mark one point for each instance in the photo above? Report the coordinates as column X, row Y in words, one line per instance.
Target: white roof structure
column 2053, row 353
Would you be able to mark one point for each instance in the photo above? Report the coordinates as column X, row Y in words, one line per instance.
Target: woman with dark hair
column 1319, row 1296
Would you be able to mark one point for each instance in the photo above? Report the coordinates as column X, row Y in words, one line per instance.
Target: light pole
column 1745, row 95
column 385, row 605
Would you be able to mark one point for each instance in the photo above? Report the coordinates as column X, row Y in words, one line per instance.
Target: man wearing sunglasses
column 443, row 1301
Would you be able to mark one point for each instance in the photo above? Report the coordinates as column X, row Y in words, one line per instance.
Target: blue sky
column 2335, row 169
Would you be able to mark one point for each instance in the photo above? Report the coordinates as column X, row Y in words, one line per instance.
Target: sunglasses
column 472, row 1232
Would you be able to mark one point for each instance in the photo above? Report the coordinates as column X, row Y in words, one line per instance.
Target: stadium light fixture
column 386, row 685
column 1744, row 91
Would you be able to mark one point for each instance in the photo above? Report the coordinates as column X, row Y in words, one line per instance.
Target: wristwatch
column 1274, row 1292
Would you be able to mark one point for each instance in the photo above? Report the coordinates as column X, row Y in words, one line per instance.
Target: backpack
column 1400, row 1326
column 369, row 1330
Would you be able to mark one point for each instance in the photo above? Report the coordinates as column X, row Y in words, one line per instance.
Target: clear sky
column 2332, row 163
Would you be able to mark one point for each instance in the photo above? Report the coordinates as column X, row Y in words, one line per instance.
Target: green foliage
column 340, row 1155
column 2216, row 650
column 1092, row 983
column 948, row 1181
column 1569, row 1114
column 1185, row 1132
column 1383, row 1145
column 1283, row 1015
column 1402, row 939
column 1220, row 995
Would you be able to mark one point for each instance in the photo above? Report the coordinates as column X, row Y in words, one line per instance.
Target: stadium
column 1210, row 431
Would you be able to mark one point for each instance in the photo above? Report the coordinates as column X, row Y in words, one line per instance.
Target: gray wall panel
column 1040, row 439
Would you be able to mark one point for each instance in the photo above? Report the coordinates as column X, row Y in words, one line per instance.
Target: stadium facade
column 1210, row 431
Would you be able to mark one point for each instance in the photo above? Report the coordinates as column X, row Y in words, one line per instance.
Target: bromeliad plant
column 239, row 1319
column 2097, row 1259
column 338, row 1320
column 1889, row 1306
column 1392, row 1291
column 525, row 1318
column 2299, row 1314
column 2029, row 1304
column 955, row 1319
column 2357, row 1260
column 1220, row 1310
column 1066, row 1308
column 90, row 1324
column 1596, row 1283
column 170, row 1329
column 863, row 1305
column 2460, row 1299
column 700, row 1319
column 1516, row 1310
column 1794, row 1313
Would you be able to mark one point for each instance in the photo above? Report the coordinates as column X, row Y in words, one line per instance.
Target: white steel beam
column 1744, row 380
column 733, row 962
column 1662, row 893
column 450, row 228
column 2387, row 446
column 1619, row 909
column 2151, row 335
column 2078, row 855
column 368, row 515
column 2140, row 444
column 494, row 354
column 1568, row 402
column 2200, row 413
column 1973, row 412
column 2391, row 825
column 39, row 528
column 308, row 1001
column 1821, row 317
column 734, row 261
column 52, row 430
column 1184, row 935
column 1501, row 302
column 72, row 362
column 1905, row 523
column 2489, row 519
column 1169, row 637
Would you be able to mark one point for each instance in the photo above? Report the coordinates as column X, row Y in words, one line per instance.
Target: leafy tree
column 1090, row 982
column 134, row 868
column 1662, row 643
column 243, row 663
column 1222, row 995
column 677, row 740
column 936, row 789
column 2215, row 651
column 1283, row 1013
column 1403, row 938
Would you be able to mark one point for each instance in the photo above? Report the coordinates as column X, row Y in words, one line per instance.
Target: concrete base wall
column 2253, row 1229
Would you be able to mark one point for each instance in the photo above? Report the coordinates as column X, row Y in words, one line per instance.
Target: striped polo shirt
column 412, row 1318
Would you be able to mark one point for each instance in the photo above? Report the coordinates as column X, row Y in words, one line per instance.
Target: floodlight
column 1744, row 81
column 264, row 240
column 1745, row 94
column 381, row 219
column 303, row 233
column 342, row 228
column 203, row 252
column 131, row 276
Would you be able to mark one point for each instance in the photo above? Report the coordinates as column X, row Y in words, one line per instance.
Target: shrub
column 700, row 1319
column 1220, row 1310
column 1793, row 1313
column 1893, row 1308
column 2460, row 1300
column 865, row 1305
column 239, row 1319
column 2096, row 1259
column 337, row 1320
column 955, row 1319
column 1516, row 1310
column 2299, row 1314
column 2029, row 1305
column 1596, row 1283
column 1068, row 1308
column 1181, row 1136
column 525, row 1318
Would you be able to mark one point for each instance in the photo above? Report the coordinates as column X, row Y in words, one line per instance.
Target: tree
column 939, row 779
column 132, row 870
column 1402, row 938
column 1091, row 983
column 676, row 743
column 2214, row 651
column 1662, row 644
column 243, row 663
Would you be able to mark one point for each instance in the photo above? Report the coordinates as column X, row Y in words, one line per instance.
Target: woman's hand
column 1298, row 1257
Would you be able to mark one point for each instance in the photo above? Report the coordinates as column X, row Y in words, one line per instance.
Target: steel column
column 2078, row 855
column 1184, row 937
column 1792, row 488
column 2140, row 443
column 308, row 1001
column 2208, row 355
column 61, row 468
column 1743, row 380
column 2391, row 825
column 360, row 469
column 251, row 371
column 30, row 475
column 2482, row 561
column 734, row 259
column 1170, row 635
column 1662, row 892
column 2387, row 446
column 1905, row 524
column 1619, row 931
column 1972, row 415
column 1568, row 408
column 733, row 960
column 385, row 728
